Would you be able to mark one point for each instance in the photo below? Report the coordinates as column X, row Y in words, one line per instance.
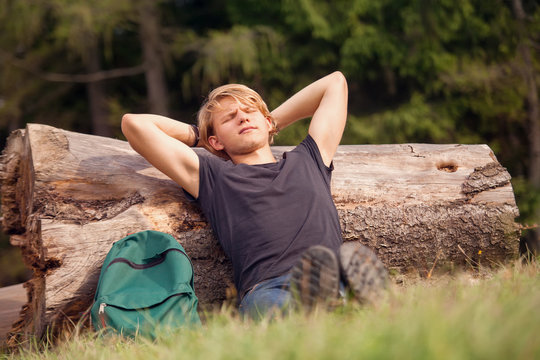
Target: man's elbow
column 340, row 80
column 127, row 119
column 128, row 124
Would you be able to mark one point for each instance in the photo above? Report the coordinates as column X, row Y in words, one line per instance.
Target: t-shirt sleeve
column 309, row 146
column 208, row 169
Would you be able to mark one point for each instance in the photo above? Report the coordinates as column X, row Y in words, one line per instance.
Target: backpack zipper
column 103, row 305
column 159, row 259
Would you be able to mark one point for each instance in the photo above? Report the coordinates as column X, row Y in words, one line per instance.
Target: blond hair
column 241, row 93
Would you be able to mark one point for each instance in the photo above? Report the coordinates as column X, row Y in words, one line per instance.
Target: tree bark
column 66, row 197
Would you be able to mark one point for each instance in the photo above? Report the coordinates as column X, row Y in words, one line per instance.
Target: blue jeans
column 271, row 298
column 267, row 299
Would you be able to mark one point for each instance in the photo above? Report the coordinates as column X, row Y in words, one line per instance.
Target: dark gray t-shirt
column 265, row 216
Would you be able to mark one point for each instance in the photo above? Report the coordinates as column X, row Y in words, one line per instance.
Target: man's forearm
column 176, row 129
column 304, row 103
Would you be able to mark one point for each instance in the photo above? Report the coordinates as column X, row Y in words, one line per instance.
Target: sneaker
column 363, row 273
column 315, row 278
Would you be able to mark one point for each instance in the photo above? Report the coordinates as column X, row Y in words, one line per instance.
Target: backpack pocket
column 131, row 318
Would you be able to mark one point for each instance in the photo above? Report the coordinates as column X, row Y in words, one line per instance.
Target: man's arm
column 164, row 143
column 326, row 101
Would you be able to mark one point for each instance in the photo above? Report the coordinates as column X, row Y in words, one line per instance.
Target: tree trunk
column 66, row 197
column 97, row 100
column 533, row 112
column 153, row 58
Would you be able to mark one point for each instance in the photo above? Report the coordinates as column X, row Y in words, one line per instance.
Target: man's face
column 239, row 129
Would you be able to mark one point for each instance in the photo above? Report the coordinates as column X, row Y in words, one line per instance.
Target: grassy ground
column 487, row 315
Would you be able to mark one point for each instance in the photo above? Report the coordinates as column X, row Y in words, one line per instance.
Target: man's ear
column 215, row 143
column 269, row 123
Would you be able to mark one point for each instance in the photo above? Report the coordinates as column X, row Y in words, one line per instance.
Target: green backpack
column 145, row 285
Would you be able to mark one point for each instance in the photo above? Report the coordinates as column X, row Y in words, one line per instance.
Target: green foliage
column 29, row 25
column 414, row 58
column 415, row 121
column 528, row 199
column 81, row 22
column 223, row 57
column 13, row 269
column 253, row 13
column 294, row 134
column 464, row 317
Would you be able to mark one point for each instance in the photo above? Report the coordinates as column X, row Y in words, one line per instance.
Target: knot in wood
column 447, row 166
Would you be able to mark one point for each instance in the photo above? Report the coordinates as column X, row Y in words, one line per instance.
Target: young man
column 275, row 219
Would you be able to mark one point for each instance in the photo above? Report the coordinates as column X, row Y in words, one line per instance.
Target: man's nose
column 243, row 117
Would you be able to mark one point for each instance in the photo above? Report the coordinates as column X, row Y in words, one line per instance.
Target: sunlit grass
column 494, row 316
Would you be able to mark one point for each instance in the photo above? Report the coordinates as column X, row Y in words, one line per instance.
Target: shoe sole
column 363, row 272
column 315, row 278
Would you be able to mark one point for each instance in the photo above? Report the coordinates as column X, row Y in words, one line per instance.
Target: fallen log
column 66, row 197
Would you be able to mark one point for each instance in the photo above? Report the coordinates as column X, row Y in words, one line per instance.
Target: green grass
column 465, row 316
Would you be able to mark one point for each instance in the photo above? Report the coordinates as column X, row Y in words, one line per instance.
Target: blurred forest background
column 435, row 71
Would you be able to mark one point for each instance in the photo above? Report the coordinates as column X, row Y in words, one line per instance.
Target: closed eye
column 229, row 116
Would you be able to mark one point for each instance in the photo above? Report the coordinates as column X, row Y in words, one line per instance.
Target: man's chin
column 247, row 148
